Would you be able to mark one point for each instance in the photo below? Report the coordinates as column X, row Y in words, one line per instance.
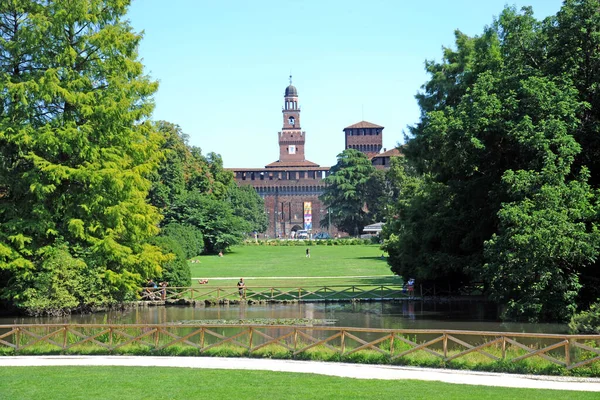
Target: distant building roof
column 363, row 124
column 284, row 164
column 390, row 153
column 291, row 91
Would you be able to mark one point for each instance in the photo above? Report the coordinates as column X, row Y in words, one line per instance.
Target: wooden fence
column 265, row 293
column 284, row 341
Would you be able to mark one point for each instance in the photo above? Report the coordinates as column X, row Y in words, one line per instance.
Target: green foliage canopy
column 76, row 151
column 500, row 179
column 195, row 191
column 347, row 194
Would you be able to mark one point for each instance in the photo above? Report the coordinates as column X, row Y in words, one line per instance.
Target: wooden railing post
column 110, row 338
column 250, row 340
column 503, row 347
column 568, row 353
column 295, row 339
column 17, row 338
column 343, row 347
column 381, row 296
column 201, row 339
column 65, row 337
column 271, row 294
column 445, row 345
column 392, row 344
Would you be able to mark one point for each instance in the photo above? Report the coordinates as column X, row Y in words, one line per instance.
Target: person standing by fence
column 163, row 290
column 241, row 288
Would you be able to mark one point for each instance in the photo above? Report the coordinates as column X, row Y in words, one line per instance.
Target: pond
column 475, row 315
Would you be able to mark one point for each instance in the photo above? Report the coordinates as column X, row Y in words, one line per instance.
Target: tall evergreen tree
column 76, row 149
column 346, row 194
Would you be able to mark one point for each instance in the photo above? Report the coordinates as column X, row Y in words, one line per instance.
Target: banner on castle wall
column 307, row 215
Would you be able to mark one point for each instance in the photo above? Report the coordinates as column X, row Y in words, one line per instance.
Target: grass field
column 66, row 383
column 328, row 265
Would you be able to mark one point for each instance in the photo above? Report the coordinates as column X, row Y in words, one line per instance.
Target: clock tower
column 291, row 137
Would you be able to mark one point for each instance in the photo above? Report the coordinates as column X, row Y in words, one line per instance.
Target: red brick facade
column 365, row 137
column 289, row 183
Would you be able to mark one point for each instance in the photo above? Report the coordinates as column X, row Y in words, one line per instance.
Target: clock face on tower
column 292, row 121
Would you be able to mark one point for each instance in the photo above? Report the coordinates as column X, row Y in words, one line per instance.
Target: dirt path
column 358, row 371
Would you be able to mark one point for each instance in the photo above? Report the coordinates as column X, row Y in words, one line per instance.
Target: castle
column 291, row 186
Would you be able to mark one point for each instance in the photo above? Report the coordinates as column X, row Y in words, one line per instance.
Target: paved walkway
column 314, row 367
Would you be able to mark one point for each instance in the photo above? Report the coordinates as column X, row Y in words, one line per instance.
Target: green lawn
column 119, row 383
column 289, row 262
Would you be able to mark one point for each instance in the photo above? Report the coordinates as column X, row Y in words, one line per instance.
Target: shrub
column 309, row 242
column 175, row 271
column 587, row 322
column 189, row 238
column 61, row 284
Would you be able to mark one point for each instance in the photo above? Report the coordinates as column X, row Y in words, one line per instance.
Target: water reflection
column 404, row 315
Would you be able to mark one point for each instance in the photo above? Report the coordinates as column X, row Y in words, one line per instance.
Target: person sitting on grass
column 150, row 285
column 202, row 281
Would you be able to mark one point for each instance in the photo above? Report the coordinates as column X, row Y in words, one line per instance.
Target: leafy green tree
column 249, row 206
column 176, row 270
column 76, row 151
column 189, row 238
column 573, row 46
column 543, row 243
column 62, row 284
column 417, row 247
column 346, row 194
column 214, row 218
column 187, row 179
column 222, row 178
column 168, row 182
column 587, row 322
column 547, row 233
column 379, row 195
column 498, row 182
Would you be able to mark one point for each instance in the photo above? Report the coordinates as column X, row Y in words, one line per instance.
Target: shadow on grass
column 383, row 280
column 378, row 258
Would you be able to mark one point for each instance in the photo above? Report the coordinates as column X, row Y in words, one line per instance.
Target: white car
column 302, row 234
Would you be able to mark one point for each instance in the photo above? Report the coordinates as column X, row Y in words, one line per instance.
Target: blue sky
column 223, row 66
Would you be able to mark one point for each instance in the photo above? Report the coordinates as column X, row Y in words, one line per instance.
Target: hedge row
column 300, row 242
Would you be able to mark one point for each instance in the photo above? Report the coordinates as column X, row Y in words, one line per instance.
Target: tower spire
column 290, row 78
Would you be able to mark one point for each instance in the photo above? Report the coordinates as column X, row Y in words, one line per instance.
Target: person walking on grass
column 307, row 253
